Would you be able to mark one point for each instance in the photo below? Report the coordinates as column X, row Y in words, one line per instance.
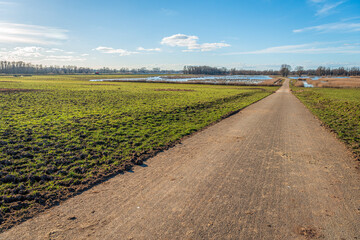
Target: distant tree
column 205, row 70
column 320, row 71
column 285, row 70
column 299, row 70
column 233, row 71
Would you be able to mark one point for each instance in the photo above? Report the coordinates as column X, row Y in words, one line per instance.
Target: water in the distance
column 305, row 82
column 204, row 79
column 314, row 78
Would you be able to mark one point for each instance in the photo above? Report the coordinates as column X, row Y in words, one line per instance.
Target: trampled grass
column 60, row 134
column 339, row 109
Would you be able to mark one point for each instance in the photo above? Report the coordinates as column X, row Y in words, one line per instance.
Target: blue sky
column 245, row 34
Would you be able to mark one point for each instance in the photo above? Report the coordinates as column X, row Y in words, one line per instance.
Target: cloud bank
column 326, row 8
column 149, row 49
column 31, row 34
column 191, row 43
column 311, row 48
column 332, row 27
column 109, row 50
column 38, row 54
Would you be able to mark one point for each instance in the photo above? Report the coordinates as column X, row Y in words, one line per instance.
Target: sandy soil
column 269, row 172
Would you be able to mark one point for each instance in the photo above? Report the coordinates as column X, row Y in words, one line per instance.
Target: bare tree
column 285, row 70
column 299, row 70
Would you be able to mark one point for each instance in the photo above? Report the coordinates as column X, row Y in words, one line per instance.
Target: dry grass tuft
column 299, row 84
column 272, row 82
column 351, row 82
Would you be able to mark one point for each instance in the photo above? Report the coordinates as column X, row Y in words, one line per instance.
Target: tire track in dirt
column 268, row 172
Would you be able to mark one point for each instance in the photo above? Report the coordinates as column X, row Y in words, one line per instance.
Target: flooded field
column 201, row 79
column 337, row 82
column 315, row 78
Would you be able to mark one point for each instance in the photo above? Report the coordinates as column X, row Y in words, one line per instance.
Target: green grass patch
column 339, row 109
column 58, row 134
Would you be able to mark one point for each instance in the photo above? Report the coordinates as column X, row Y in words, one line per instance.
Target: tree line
column 224, row 71
column 7, row 67
column 20, row 67
column 205, row 70
column 285, row 70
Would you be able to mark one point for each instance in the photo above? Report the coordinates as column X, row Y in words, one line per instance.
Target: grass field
column 61, row 134
column 339, row 109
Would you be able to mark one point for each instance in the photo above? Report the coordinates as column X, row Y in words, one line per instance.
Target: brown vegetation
column 352, row 82
column 299, row 84
column 272, row 82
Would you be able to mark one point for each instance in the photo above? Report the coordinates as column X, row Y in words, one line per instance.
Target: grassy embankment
column 338, row 108
column 61, row 134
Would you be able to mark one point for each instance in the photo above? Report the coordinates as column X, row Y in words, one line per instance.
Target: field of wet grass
column 61, row 134
column 338, row 109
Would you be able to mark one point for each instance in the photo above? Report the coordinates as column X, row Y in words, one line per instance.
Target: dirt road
column 269, row 172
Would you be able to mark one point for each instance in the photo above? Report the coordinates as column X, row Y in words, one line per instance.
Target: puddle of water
column 303, row 77
column 307, row 85
column 205, row 79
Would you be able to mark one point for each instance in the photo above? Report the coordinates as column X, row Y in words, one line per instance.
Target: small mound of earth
column 175, row 90
column 309, row 232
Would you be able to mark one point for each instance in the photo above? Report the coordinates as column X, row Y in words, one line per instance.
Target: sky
column 242, row 34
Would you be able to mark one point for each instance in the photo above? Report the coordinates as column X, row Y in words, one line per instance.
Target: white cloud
column 191, row 43
column 7, row 3
column 64, row 58
column 325, row 9
column 21, row 53
column 37, row 54
column 212, row 46
column 149, row 49
column 332, row 27
column 181, row 40
column 30, row 34
column 188, row 50
column 54, row 50
column 312, row 48
column 109, row 50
